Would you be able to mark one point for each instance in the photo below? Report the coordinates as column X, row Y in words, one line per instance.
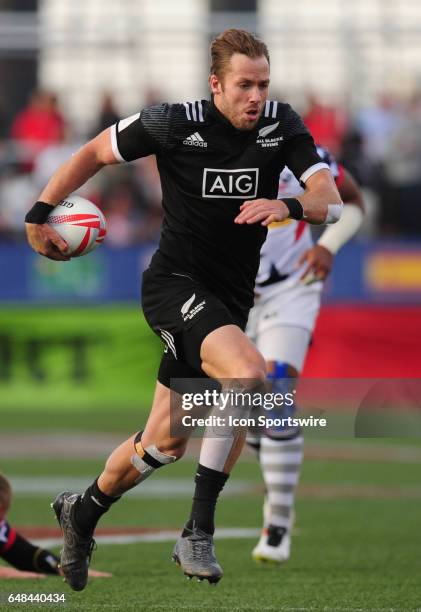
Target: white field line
column 152, row 488
column 158, row 536
column 83, row 444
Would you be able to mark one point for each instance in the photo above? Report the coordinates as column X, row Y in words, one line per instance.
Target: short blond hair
column 232, row 41
column 5, row 493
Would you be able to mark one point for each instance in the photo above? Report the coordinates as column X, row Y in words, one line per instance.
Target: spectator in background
column 3, row 122
column 38, row 125
column 124, row 220
column 128, row 204
column 377, row 124
column 50, row 158
column 327, row 124
column 153, row 96
column 108, row 114
column 402, row 169
column 17, row 192
column 130, row 196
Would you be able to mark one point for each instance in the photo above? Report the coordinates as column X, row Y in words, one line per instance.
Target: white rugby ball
column 80, row 223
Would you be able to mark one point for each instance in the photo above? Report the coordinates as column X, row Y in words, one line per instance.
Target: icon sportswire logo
column 195, row 140
column 237, row 184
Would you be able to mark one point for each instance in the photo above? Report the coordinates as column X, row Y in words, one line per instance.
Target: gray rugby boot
column 77, row 550
column 195, row 554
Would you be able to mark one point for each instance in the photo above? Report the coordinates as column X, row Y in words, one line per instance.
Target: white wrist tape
column 335, row 236
column 334, row 212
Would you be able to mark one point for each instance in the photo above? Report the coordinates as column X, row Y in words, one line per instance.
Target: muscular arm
column 333, row 238
column 68, row 178
column 320, row 193
column 319, row 259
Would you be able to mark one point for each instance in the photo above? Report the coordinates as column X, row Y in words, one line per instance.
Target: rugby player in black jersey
column 27, row 560
column 219, row 163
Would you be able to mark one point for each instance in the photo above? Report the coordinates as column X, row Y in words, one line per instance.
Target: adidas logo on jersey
column 195, row 140
column 169, row 341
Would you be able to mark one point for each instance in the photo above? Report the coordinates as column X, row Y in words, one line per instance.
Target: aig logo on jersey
column 238, row 184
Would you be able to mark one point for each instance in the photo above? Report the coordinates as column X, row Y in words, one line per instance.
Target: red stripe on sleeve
column 10, row 540
column 341, row 175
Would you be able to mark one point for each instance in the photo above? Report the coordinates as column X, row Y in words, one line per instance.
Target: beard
column 242, row 123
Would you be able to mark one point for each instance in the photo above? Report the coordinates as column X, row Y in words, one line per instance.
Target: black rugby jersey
column 208, row 168
column 7, row 536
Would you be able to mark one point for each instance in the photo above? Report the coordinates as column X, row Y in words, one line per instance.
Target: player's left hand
column 319, row 262
column 12, row 573
column 266, row 211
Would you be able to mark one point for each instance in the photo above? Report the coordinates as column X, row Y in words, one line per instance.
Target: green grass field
column 356, row 546
column 357, row 539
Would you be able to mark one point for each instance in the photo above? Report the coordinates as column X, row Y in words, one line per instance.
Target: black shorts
column 182, row 312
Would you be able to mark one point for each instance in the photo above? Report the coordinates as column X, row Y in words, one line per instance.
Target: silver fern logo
column 265, row 131
column 188, row 312
column 186, row 306
column 264, row 141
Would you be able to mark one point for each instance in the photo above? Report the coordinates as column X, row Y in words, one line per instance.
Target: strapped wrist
column 296, row 210
column 38, row 213
column 336, row 235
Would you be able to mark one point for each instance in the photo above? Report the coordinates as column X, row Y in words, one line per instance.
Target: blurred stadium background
column 77, row 362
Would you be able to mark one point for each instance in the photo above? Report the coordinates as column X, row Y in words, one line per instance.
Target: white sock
column 280, row 461
column 222, row 444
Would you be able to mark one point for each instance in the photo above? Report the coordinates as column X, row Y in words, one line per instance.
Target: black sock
column 209, row 483
column 89, row 509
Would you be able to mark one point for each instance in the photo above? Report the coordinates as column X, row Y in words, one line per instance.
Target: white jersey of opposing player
column 287, row 240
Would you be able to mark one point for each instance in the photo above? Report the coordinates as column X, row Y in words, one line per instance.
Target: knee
column 173, row 447
column 250, row 373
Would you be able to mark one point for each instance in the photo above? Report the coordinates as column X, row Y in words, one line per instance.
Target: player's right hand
column 46, row 241
column 263, row 210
